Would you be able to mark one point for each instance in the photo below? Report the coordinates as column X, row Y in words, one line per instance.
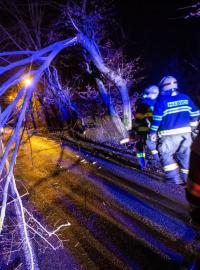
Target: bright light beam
column 27, row 81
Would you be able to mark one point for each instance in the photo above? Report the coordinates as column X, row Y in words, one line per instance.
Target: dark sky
column 153, row 32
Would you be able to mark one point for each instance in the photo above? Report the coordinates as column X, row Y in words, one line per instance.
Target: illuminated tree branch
column 38, row 64
column 9, row 180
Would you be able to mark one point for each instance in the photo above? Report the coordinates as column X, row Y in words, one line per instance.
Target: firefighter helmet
column 168, row 84
column 151, row 92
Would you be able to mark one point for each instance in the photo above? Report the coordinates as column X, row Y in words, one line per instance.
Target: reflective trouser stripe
column 154, row 152
column 141, row 155
column 171, row 167
column 193, row 188
column 185, row 171
column 194, row 124
column 175, row 131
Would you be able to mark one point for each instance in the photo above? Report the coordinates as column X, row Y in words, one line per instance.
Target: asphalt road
column 120, row 218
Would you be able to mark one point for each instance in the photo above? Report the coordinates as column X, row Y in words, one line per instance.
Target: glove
column 152, row 137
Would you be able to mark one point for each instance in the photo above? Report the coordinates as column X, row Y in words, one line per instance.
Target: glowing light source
column 125, row 140
column 27, row 81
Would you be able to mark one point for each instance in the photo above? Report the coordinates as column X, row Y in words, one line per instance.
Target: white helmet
column 151, row 92
column 168, row 83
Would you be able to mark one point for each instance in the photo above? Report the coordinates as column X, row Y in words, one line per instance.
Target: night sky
column 155, row 31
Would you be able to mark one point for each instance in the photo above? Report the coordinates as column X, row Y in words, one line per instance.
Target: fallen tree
column 29, row 68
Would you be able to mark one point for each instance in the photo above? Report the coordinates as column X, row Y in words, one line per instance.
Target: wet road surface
column 120, row 218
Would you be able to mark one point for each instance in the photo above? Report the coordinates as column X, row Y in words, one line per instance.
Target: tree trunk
column 114, row 115
column 120, row 83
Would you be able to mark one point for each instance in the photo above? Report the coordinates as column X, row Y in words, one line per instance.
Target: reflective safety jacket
column 144, row 112
column 193, row 183
column 174, row 115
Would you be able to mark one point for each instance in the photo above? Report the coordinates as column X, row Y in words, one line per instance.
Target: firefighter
column 143, row 117
column 193, row 183
column 175, row 117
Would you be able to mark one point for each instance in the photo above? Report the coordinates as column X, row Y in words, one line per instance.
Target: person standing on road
column 175, row 117
column 143, row 117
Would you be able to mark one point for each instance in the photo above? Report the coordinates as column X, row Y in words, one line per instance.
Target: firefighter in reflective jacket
column 142, row 122
column 175, row 117
column 193, row 183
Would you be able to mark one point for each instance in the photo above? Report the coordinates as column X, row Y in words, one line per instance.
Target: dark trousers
column 140, row 147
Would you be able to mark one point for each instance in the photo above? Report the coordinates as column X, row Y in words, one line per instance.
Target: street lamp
column 27, row 81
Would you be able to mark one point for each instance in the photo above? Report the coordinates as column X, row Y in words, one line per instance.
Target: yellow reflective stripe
column 174, row 131
column 194, row 124
column 141, row 116
column 154, row 152
column 148, row 114
column 139, row 155
column 170, row 167
column 143, row 128
column 185, row 171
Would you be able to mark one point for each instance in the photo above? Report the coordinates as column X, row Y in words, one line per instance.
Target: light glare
column 27, row 81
